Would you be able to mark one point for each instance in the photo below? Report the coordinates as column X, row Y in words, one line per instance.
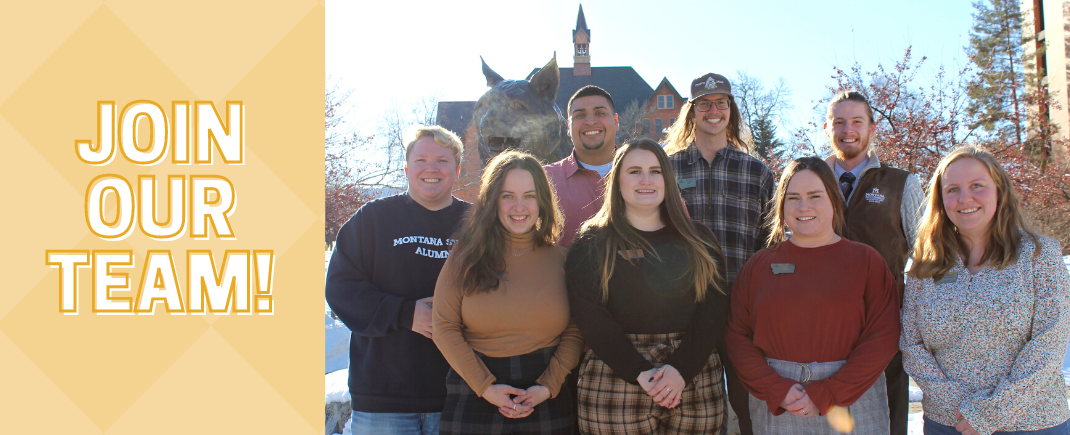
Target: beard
column 850, row 153
column 846, row 155
column 594, row 146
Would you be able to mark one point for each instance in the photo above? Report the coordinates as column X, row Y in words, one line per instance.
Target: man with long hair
column 381, row 281
column 724, row 187
column 882, row 211
column 578, row 178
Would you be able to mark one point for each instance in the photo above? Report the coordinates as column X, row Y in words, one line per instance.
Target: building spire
column 581, row 39
column 581, row 23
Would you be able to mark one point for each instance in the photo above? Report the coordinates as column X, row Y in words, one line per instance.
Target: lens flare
column 840, row 419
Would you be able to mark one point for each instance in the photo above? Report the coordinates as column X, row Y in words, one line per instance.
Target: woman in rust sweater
column 815, row 317
column 500, row 313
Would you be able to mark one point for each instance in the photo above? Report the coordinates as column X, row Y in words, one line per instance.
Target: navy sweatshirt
column 388, row 255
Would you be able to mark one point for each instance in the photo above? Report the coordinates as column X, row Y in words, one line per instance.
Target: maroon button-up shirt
column 579, row 193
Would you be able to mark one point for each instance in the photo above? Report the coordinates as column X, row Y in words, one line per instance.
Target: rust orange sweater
column 840, row 303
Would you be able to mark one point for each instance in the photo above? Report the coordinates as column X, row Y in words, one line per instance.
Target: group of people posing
column 645, row 288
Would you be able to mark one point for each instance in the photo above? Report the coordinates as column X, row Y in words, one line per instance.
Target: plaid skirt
column 609, row 405
column 867, row 416
column 466, row 413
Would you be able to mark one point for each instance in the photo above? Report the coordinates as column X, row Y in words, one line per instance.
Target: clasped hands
column 798, row 403
column 664, row 385
column 520, row 406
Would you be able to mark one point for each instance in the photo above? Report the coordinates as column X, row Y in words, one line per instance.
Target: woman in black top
column 647, row 291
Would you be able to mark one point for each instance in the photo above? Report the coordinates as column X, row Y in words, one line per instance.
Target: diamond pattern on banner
column 88, row 354
column 38, row 399
column 51, row 27
column 37, row 197
column 213, row 70
column 274, row 76
column 259, row 342
column 162, row 373
column 133, row 73
column 231, row 398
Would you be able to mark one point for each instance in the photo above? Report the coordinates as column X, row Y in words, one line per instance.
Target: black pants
column 738, row 396
column 572, row 380
column 898, row 395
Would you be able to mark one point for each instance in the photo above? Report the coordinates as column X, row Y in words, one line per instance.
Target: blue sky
column 404, row 50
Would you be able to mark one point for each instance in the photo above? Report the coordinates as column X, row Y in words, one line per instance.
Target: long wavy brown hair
column 478, row 257
column 682, row 132
column 939, row 242
column 612, row 234
column 775, row 222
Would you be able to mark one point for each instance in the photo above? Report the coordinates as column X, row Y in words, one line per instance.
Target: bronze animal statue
column 522, row 114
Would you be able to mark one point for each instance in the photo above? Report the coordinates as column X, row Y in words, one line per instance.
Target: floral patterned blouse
column 990, row 345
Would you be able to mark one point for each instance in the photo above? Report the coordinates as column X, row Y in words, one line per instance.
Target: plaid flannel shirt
column 730, row 196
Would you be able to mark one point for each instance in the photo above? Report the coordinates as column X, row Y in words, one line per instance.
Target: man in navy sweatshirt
column 380, row 284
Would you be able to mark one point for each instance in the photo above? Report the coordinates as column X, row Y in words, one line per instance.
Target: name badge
column 687, row 183
column 949, row 277
column 779, row 268
column 629, row 254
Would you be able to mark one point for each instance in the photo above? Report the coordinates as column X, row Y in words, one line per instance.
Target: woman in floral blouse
column 985, row 320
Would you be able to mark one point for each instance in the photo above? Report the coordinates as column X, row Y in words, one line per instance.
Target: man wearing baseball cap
column 724, row 187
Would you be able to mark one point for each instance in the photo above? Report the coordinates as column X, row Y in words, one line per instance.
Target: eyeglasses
column 704, row 106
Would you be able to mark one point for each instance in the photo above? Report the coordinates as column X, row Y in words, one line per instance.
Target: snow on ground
column 335, row 335
column 915, row 394
column 337, row 389
column 336, row 341
column 914, row 423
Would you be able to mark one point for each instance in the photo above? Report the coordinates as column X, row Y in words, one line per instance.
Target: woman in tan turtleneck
column 501, row 315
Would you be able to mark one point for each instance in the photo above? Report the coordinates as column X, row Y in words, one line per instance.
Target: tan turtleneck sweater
column 529, row 311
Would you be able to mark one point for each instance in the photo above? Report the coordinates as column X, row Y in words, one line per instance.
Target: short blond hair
column 442, row 136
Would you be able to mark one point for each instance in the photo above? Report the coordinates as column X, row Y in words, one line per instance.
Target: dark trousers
column 898, row 395
column 573, row 380
column 738, row 396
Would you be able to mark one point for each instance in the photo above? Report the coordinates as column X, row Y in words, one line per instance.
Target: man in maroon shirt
column 578, row 178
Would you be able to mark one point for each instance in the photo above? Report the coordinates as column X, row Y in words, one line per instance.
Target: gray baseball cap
column 710, row 84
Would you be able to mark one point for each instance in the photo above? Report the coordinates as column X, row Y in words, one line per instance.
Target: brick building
column 662, row 108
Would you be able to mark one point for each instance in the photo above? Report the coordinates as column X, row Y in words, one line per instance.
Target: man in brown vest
column 882, row 212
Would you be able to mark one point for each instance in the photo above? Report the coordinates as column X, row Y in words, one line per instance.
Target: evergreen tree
column 996, row 49
column 766, row 144
column 759, row 106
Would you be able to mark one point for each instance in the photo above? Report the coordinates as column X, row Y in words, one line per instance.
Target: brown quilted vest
column 873, row 217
